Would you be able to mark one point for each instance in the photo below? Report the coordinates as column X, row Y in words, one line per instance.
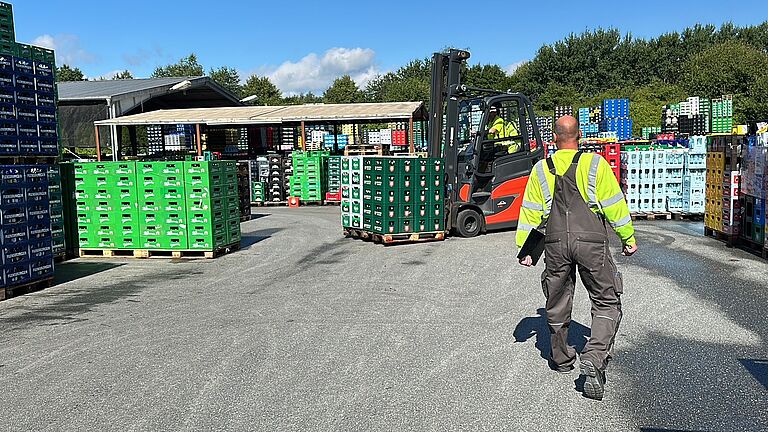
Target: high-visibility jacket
column 501, row 131
column 598, row 187
column 511, row 131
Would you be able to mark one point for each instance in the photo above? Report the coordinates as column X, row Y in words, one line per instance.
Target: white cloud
column 315, row 73
column 510, row 69
column 67, row 48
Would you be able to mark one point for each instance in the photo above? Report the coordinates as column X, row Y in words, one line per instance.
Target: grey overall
column 578, row 238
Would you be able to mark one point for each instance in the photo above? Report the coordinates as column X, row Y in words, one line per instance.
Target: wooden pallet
column 270, row 204
column 729, row 239
column 158, row 253
column 363, row 150
column 25, row 288
column 687, row 216
column 388, row 239
column 651, row 216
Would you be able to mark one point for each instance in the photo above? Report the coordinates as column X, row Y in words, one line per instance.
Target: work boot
column 594, row 384
column 565, row 370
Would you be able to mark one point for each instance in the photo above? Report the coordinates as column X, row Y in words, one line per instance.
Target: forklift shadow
column 537, row 326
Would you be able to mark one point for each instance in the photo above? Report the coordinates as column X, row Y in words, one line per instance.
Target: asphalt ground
column 306, row 330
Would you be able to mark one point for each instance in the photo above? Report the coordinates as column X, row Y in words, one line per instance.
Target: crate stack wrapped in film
column 31, row 207
column 169, row 205
column 753, row 177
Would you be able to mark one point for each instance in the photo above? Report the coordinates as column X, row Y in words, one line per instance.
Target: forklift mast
column 444, row 105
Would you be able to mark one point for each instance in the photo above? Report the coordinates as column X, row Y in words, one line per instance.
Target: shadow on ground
column 249, row 239
column 74, row 270
column 537, row 326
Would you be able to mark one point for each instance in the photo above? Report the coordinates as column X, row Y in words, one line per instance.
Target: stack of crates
column 420, row 135
column 403, row 195
column 288, row 138
column 56, row 200
column 277, row 191
column 162, row 197
column 649, row 132
column 668, row 195
column 244, row 189
column 352, row 192
column 170, row 205
column 722, row 115
column 309, row 181
column 71, row 237
column 694, row 180
column 258, row 195
column 753, row 169
column 723, row 212
column 27, row 253
column 632, row 176
column 106, row 198
column 615, row 118
column 339, row 141
column 334, row 179
column 589, row 121
column 563, row 110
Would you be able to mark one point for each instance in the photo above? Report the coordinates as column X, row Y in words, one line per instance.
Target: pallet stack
column 289, row 139
column 258, row 171
column 589, row 121
column 562, row 111
column 402, row 196
column 694, row 180
column 330, row 141
column 309, row 181
column 614, row 117
column 280, row 171
column 650, row 132
column 334, row 179
column 722, row 115
column 56, row 202
column 753, row 170
column 352, row 192
column 244, row 190
column 723, row 208
column 29, row 149
column 157, row 206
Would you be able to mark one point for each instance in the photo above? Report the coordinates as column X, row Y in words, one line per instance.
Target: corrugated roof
column 273, row 114
column 105, row 89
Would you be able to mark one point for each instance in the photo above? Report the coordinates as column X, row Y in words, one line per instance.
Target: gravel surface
column 306, row 330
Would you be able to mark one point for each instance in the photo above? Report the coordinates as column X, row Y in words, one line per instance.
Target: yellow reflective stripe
column 612, row 200
column 542, row 177
column 532, row 206
column 592, row 181
column 621, row 222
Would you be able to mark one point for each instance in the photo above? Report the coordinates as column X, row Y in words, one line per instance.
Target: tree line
column 579, row 70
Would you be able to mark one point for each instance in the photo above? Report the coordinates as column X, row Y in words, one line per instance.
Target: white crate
column 631, row 158
column 659, row 203
column 697, row 145
column 674, row 204
column 673, row 174
column 675, row 158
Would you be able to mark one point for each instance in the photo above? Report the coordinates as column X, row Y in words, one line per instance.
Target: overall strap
column 551, row 163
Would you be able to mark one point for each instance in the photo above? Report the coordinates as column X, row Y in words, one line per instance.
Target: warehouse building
column 81, row 103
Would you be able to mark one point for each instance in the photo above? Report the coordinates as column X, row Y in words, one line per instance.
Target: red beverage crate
column 333, row 196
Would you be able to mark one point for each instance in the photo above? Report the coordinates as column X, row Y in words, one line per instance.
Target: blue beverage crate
column 13, row 196
column 12, row 176
column 46, row 115
column 27, row 129
column 29, row 146
column 7, row 95
column 45, row 86
column 9, row 145
column 15, row 253
column 23, row 66
column 13, row 215
column 41, row 268
column 6, row 63
column 36, row 175
column 26, row 114
column 36, row 194
column 7, row 111
column 40, row 249
column 43, row 99
column 16, row 274
column 47, row 130
column 26, row 98
column 43, row 69
column 39, row 231
column 7, row 79
column 22, row 82
column 38, row 214
column 14, row 234
column 49, row 146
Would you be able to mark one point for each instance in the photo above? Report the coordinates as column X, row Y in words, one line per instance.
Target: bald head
column 567, row 132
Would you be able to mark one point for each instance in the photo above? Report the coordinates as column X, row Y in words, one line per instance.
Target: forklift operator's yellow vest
column 498, row 124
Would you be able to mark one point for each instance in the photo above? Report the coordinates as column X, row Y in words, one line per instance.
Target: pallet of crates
column 406, row 196
column 722, row 219
column 333, row 195
column 673, row 174
column 244, row 190
column 753, row 168
column 694, row 179
column 352, row 179
column 308, row 182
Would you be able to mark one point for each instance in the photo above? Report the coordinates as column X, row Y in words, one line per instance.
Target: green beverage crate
column 233, row 231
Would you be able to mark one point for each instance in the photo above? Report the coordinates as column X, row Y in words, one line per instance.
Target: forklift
column 485, row 176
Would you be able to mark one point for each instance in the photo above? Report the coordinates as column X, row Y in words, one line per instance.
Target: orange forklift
column 486, row 173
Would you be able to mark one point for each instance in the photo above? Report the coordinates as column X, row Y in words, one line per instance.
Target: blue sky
column 302, row 45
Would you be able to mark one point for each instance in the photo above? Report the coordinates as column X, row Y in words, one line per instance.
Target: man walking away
column 574, row 194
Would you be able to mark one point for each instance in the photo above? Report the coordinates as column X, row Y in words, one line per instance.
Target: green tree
column 301, row 99
column 486, row 76
column 228, row 78
column 186, row 67
column 409, row 83
column 126, row 74
column 68, row 73
column 343, row 90
column 265, row 91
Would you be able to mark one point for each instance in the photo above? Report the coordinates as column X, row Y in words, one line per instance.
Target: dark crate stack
column 259, row 177
column 244, row 189
column 30, row 190
column 402, row 195
column 279, row 180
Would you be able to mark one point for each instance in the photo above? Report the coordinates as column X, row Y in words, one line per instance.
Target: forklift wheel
column 469, row 223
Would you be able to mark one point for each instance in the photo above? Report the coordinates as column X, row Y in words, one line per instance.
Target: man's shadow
column 537, row 326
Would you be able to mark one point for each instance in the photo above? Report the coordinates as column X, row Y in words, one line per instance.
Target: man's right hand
column 629, row 250
column 527, row 261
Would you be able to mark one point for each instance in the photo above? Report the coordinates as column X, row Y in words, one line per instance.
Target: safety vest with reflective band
column 598, row 187
column 501, row 131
